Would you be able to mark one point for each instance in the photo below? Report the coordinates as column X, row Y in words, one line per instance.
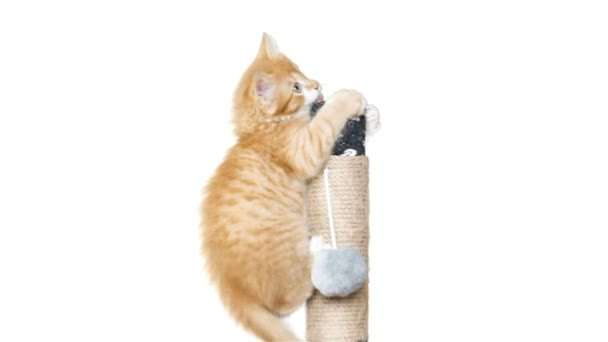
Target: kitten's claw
column 372, row 120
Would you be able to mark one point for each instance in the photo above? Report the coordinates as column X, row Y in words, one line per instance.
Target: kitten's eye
column 297, row 88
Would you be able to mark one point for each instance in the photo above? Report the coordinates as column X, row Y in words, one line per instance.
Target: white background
column 489, row 178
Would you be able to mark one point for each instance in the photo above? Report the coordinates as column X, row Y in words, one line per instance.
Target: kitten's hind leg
column 295, row 297
column 299, row 287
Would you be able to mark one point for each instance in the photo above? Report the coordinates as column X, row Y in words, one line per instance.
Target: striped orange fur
column 254, row 232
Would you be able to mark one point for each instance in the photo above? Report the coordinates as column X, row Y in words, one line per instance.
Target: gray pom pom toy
column 338, row 272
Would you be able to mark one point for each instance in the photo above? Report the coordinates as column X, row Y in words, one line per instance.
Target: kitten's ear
column 264, row 90
column 268, row 48
column 263, row 86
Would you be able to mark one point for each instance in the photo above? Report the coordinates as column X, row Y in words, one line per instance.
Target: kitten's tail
column 257, row 319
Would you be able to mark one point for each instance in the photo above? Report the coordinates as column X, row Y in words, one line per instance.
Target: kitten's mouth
column 317, row 105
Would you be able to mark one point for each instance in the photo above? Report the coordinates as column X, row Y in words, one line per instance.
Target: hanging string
column 330, row 215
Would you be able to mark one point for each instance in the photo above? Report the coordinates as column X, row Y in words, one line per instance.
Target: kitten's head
column 272, row 88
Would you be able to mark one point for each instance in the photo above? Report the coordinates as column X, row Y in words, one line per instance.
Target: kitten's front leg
column 312, row 145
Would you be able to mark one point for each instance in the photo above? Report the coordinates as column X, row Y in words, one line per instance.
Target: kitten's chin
column 314, row 108
column 316, row 105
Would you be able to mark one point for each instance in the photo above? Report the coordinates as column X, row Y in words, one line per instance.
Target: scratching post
column 338, row 319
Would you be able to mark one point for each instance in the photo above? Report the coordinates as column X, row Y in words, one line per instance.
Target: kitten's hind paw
column 317, row 244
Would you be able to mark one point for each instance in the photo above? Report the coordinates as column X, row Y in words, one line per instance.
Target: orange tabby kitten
column 255, row 237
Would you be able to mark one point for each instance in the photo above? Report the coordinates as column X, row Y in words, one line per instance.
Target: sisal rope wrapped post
column 340, row 319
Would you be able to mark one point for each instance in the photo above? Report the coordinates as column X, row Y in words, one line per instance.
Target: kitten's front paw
column 349, row 102
column 372, row 120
